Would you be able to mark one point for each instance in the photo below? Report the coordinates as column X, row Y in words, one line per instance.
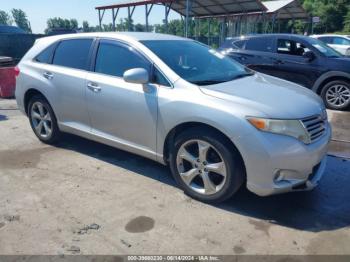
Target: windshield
column 196, row 62
column 323, row 48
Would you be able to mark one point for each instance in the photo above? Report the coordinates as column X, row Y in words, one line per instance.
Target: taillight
column 17, row 71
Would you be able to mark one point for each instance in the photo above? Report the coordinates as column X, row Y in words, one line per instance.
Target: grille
column 315, row 126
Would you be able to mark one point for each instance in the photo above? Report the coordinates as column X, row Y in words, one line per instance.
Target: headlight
column 292, row 128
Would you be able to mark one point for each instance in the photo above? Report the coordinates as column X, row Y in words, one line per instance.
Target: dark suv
column 300, row 59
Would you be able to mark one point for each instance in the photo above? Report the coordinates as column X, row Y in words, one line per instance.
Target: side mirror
column 136, row 76
column 309, row 56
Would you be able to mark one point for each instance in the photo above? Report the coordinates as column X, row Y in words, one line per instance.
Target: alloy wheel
column 201, row 167
column 338, row 95
column 41, row 120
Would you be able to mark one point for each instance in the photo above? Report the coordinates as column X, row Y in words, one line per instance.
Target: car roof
column 8, row 29
column 243, row 37
column 135, row 36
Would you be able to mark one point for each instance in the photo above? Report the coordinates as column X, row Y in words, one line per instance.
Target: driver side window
column 290, row 47
column 114, row 59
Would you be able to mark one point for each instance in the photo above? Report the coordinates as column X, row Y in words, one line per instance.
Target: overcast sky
column 38, row 11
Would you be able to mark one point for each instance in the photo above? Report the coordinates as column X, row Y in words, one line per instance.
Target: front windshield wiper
column 242, row 75
column 214, row 82
column 207, row 82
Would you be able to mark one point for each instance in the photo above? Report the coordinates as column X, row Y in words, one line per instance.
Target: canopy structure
column 247, row 23
column 286, row 9
column 186, row 8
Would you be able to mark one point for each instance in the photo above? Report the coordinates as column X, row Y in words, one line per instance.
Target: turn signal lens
column 258, row 123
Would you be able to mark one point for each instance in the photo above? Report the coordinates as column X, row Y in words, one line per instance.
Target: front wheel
column 336, row 95
column 204, row 167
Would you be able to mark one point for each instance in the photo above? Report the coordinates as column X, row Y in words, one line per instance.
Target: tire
column 336, row 95
column 229, row 177
column 43, row 121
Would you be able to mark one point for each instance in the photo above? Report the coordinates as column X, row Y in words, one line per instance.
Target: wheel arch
column 175, row 131
column 28, row 95
column 328, row 77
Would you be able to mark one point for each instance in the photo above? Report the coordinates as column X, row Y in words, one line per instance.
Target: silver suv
column 217, row 124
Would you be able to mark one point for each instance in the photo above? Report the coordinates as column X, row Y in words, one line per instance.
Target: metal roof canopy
column 198, row 8
column 282, row 9
column 286, row 9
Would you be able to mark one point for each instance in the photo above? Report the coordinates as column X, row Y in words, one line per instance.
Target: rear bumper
column 278, row 164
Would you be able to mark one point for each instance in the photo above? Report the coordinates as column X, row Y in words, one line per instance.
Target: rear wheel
column 336, row 95
column 42, row 120
column 204, row 167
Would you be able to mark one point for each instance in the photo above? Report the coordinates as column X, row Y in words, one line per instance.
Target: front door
column 290, row 64
column 123, row 113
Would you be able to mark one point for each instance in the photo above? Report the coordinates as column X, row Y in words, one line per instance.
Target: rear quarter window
column 45, row 56
column 264, row 44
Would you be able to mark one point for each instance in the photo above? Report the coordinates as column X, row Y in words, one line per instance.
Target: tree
column 58, row 22
column 347, row 22
column 21, row 19
column 5, row 18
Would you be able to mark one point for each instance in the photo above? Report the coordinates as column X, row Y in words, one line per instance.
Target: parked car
column 300, row 59
column 8, row 29
column 63, row 31
column 217, row 124
column 341, row 43
column 7, row 77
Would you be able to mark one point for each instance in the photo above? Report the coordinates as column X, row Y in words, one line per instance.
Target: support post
column 146, row 9
column 114, row 17
column 209, row 24
column 100, row 18
column 148, row 12
column 167, row 11
column 187, row 16
column 129, row 19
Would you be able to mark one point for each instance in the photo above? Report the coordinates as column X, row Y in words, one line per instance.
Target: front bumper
column 279, row 164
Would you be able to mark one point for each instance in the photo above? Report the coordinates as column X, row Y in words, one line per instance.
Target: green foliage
column 347, row 22
column 21, row 19
column 57, row 22
column 5, row 18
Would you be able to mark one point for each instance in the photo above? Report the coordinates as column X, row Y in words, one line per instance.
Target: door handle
column 94, row 87
column 48, row 75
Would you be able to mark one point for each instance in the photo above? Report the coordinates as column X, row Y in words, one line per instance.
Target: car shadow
column 325, row 208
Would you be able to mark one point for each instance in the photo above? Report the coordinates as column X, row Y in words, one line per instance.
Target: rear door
column 67, row 78
column 257, row 54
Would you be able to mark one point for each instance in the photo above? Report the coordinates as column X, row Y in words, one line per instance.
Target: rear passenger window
column 73, row 53
column 46, row 55
column 114, row 59
column 264, row 44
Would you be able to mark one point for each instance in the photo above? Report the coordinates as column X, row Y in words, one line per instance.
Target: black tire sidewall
column 55, row 130
column 235, row 174
column 324, row 92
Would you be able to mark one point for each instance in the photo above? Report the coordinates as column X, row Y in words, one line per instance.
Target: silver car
column 217, row 124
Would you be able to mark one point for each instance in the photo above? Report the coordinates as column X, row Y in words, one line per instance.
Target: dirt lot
column 85, row 198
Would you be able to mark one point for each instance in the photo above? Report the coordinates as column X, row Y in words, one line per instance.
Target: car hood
column 274, row 97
